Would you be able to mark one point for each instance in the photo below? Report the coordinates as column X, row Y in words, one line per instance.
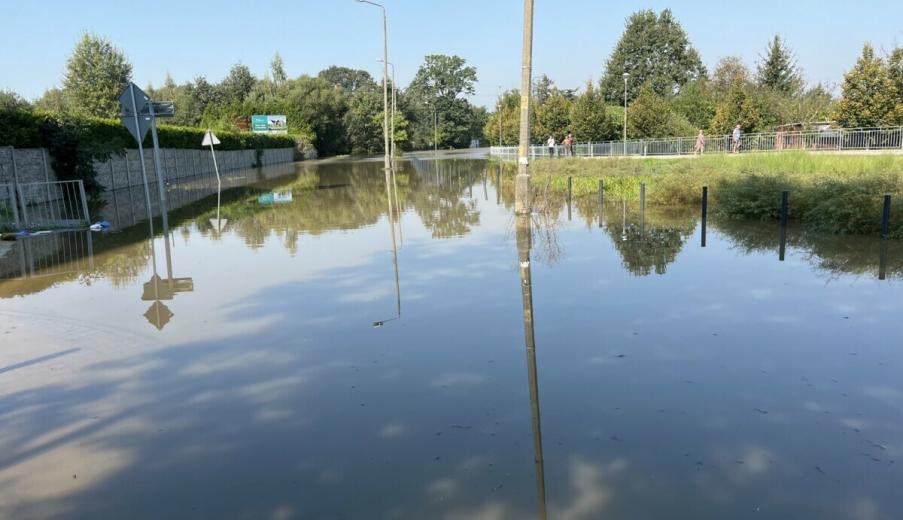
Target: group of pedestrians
column 698, row 149
column 568, row 145
column 735, row 143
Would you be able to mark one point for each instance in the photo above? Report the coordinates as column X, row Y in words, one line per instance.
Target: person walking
column 699, row 149
column 735, row 147
column 551, row 144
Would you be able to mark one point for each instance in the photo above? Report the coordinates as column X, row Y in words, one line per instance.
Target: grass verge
column 829, row 193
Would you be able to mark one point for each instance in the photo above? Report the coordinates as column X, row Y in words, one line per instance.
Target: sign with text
column 269, row 124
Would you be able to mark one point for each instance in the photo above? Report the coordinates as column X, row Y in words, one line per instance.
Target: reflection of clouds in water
column 458, row 379
column 443, row 489
column 367, row 295
column 887, row 395
column 393, row 430
column 760, row 293
column 492, row 511
column 865, row 508
column 591, row 493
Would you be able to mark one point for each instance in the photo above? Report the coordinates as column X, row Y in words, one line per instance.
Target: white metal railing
column 819, row 140
column 57, row 204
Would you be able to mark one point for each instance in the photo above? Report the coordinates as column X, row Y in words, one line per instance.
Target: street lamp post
column 500, row 116
column 625, row 75
column 385, row 83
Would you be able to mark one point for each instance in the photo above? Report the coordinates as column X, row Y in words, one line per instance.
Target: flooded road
column 305, row 350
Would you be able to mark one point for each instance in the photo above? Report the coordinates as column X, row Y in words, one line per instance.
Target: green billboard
column 269, row 124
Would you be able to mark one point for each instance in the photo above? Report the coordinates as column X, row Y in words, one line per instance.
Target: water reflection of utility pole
column 485, row 191
column 397, row 316
column 523, row 230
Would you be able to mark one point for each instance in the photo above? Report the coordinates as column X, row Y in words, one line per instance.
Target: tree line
column 337, row 111
column 670, row 93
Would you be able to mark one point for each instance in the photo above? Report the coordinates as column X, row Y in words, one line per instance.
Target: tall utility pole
column 522, row 182
column 385, row 84
column 394, row 104
column 625, row 75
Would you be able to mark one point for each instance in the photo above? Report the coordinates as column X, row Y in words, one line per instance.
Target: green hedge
column 75, row 142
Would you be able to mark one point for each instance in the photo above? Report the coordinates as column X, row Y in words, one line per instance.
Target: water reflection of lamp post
column 380, row 323
column 524, row 231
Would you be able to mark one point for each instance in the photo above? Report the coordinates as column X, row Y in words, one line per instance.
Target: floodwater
column 330, row 357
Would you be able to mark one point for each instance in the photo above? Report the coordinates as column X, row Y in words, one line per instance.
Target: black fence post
column 705, row 211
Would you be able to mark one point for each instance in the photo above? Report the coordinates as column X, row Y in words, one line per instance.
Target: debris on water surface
column 818, row 469
column 616, row 438
column 876, row 445
column 761, row 411
column 461, row 427
column 621, row 355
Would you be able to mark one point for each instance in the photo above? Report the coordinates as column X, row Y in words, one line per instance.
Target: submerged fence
column 836, row 140
column 57, row 204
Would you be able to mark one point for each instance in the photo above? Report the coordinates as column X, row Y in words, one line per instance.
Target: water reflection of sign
column 280, row 197
column 269, row 124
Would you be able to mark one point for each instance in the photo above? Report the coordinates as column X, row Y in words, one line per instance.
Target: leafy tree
column 238, row 84
column 53, row 100
column 553, row 118
column 737, row 107
column 648, row 116
column 895, row 73
column 589, row 119
column 350, row 80
column 814, row 104
column 11, row 101
column 729, row 72
column 869, row 96
column 96, row 74
column 654, row 49
column 695, row 104
column 543, row 88
column 277, row 69
column 321, row 105
column 508, row 109
column 778, row 69
column 364, row 121
column 437, row 91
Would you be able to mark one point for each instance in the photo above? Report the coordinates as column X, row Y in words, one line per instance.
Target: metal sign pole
column 150, row 215
column 161, row 182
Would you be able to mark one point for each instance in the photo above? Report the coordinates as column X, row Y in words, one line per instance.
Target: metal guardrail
column 9, row 211
column 856, row 139
column 57, row 204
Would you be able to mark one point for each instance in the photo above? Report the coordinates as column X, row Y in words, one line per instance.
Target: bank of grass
column 832, row 193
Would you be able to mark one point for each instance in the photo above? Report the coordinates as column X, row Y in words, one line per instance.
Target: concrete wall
column 31, row 165
column 34, row 165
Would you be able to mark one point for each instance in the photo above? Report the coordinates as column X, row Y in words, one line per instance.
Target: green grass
column 831, row 193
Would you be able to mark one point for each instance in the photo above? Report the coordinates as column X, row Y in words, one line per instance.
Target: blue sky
column 573, row 38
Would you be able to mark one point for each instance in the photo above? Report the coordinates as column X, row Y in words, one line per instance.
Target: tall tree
column 895, row 73
column 654, row 49
column 349, row 80
column 553, row 118
column 649, row 115
column 778, row 69
column 11, row 101
column 543, row 88
column 438, row 91
column 869, row 95
column 737, row 107
column 96, row 73
column 508, row 110
column 589, row 119
column 695, row 103
column 277, row 70
column 729, row 72
column 238, row 84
